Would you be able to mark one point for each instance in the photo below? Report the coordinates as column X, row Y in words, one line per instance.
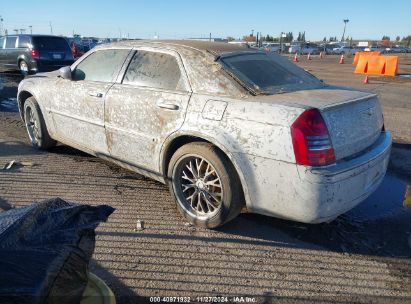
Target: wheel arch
column 176, row 141
column 21, row 98
column 21, row 58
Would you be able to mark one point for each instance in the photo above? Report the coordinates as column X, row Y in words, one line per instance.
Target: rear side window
column 154, row 70
column 24, row 42
column 100, row 66
column 50, row 43
column 11, row 42
column 2, row 42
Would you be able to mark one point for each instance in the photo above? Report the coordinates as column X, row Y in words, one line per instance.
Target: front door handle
column 167, row 105
column 95, row 94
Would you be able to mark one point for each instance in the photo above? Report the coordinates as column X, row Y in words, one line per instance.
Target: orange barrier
column 358, row 54
column 391, row 65
column 377, row 65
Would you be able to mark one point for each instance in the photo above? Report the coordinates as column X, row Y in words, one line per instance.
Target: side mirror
column 65, row 72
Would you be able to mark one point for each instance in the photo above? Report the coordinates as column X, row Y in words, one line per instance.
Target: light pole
column 1, row 25
column 345, row 25
column 31, row 29
column 281, row 42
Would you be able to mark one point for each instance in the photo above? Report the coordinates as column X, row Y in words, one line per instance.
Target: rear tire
column 35, row 125
column 24, row 68
column 205, row 185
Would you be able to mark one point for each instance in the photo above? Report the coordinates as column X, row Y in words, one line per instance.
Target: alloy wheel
column 24, row 68
column 32, row 125
column 199, row 186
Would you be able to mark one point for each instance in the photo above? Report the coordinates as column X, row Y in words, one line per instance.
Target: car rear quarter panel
column 245, row 131
column 207, row 76
column 254, row 128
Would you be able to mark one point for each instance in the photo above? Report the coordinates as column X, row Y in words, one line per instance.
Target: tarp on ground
column 45, row 249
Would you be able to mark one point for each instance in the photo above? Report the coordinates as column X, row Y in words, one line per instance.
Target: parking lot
column 364, row 256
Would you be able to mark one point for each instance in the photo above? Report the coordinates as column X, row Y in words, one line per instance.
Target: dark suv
column 34, row 53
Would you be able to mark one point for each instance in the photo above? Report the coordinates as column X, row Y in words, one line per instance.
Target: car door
column 146, row 107
column 78, row 104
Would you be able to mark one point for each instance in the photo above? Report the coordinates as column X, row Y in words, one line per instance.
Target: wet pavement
column 363, row 256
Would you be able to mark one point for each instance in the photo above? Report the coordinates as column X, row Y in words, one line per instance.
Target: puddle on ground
column 8, row 86
column 381, row 225
column 9, row 105
column 386, row 201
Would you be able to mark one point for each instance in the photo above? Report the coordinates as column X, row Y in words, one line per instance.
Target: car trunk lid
column 353, row 118
column 353, row 125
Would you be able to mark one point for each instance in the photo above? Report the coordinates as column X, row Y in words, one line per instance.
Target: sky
column 197, row 19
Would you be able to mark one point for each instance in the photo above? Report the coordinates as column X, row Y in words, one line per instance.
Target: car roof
column 216, row 48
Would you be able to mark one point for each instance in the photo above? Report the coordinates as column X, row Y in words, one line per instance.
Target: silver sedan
column 225, row 127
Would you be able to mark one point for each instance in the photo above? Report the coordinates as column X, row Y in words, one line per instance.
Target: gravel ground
column 364, row 256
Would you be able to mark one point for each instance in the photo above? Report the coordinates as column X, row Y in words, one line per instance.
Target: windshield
column 50, row 43
column 268, row 73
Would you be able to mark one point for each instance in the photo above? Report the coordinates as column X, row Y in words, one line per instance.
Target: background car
column 375, row 48
column 34, row 53
column 396, row 49
column 304, row 49
column 327, row 48
column 224, row 126
column 342, row 50
column 272, row 47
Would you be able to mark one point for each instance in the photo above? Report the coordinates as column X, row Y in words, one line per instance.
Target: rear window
column 50, row 43
column 268, row 73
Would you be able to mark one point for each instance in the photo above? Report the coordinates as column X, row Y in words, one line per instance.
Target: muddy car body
column 204, row 118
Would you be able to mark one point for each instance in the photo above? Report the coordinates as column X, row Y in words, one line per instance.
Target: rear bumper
column 48, row 65
column 315, row 195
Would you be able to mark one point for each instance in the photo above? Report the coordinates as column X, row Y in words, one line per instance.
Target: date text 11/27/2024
column 237, row 299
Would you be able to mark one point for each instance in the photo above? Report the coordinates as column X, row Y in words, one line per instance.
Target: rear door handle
column 95, row 94
column 167, row 105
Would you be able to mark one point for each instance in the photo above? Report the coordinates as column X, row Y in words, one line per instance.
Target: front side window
column 154, row 70
column 24, row 42
column 100, row 66
column 11, row 42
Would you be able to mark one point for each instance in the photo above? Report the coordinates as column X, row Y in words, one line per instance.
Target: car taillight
column 35, row 54
column 311, row 140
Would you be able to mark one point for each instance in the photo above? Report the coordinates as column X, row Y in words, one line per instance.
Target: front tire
column 205, row 185
column 35, row 125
